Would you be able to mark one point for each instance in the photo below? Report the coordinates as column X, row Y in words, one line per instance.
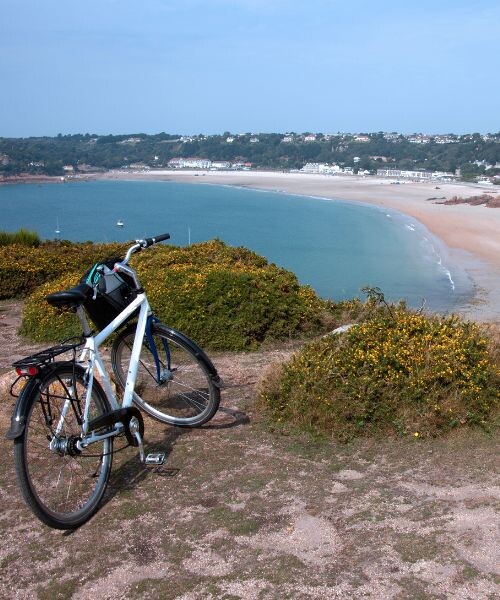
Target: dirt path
column 242, row 513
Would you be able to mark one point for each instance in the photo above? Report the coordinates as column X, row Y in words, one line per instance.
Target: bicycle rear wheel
column 63, row 486
column 187, row 394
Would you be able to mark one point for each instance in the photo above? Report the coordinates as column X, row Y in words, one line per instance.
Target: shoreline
column 469, row 235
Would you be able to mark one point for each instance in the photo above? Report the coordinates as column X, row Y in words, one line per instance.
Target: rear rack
column 46, row 356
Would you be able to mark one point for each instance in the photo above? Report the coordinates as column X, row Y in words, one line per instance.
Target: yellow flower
column 416, row 434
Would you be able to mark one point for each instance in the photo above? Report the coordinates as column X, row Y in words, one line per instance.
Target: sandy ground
column 471, row 233
column 241, row 512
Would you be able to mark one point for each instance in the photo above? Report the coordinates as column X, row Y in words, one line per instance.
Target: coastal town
column 473, row 158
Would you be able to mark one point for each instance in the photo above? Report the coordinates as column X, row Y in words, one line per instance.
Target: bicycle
column 65, row 422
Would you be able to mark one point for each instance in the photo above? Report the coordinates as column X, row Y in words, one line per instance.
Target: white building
column 323, row 168
column 442, row 175
column 417, row 175
column 422, row 175
column 196, row 163
column 310, row 168
column 131, row 140
column 419, row 139
column 189, row 163
column 241, row 166
column 220, row 164
column 445, row 139
column 175, row 163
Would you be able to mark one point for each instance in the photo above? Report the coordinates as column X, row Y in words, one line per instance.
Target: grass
column 23, row 237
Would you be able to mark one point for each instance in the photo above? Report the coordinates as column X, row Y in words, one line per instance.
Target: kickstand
column 141, row 447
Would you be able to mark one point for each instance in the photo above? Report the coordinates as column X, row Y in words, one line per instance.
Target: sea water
column 336, row 247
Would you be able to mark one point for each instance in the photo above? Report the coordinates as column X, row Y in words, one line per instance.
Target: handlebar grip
column 156, row 239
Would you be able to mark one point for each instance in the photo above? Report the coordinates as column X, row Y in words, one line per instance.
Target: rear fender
column 20, row 413
column 22, row 406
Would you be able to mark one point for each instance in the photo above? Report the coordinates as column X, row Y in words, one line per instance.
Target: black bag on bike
column 112, row 291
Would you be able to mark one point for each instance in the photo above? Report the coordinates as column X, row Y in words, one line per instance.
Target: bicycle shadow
column 130, row 473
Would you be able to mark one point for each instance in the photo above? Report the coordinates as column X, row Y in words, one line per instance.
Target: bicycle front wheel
column 60, row 483
column 185, row 394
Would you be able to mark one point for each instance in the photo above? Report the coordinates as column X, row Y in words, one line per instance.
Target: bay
column 337, row 247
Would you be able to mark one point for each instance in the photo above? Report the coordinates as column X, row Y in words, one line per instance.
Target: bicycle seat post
column 87, row 332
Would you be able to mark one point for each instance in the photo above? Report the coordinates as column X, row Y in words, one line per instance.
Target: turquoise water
column 336, row 247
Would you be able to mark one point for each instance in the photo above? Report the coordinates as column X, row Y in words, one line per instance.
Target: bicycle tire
column 62, row 488
column 189, row 398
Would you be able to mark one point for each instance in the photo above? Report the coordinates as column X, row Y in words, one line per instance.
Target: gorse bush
column 223, row 297
column 398, row 373
column 23, row 268
column 23, row 237
column 43, row 323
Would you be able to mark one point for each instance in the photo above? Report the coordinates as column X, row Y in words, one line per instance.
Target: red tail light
column 26, row 371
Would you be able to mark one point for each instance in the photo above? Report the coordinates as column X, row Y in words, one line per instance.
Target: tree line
column 48, row 155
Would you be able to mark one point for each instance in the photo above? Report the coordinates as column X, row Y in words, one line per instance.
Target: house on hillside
column 131, row 141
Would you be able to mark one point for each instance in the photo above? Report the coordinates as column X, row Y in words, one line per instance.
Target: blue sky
column 208, row 66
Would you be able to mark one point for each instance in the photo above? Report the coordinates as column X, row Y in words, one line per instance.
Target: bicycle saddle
column 71, row 298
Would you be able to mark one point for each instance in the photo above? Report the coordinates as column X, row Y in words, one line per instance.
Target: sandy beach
column 471, row 233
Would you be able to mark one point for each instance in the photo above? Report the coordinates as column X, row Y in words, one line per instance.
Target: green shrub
column 223, row 297
column 23, row 237
column 23, row 269
column 398, row 373
column 43, row 323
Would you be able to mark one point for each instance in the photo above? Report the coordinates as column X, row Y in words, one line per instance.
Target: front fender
column 197, row 351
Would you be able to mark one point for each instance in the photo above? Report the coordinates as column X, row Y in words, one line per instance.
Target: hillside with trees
column 474, row 154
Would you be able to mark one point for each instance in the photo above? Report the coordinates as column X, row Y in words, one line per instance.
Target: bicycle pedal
column 155, row 459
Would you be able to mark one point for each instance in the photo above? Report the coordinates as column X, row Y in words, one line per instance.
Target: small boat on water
column 120, row 223
column 57, row 231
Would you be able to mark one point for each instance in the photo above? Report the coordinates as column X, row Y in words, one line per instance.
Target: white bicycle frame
column 91, row 357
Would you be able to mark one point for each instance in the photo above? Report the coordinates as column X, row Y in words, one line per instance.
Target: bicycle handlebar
column 140, row 244
column 154, row 240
